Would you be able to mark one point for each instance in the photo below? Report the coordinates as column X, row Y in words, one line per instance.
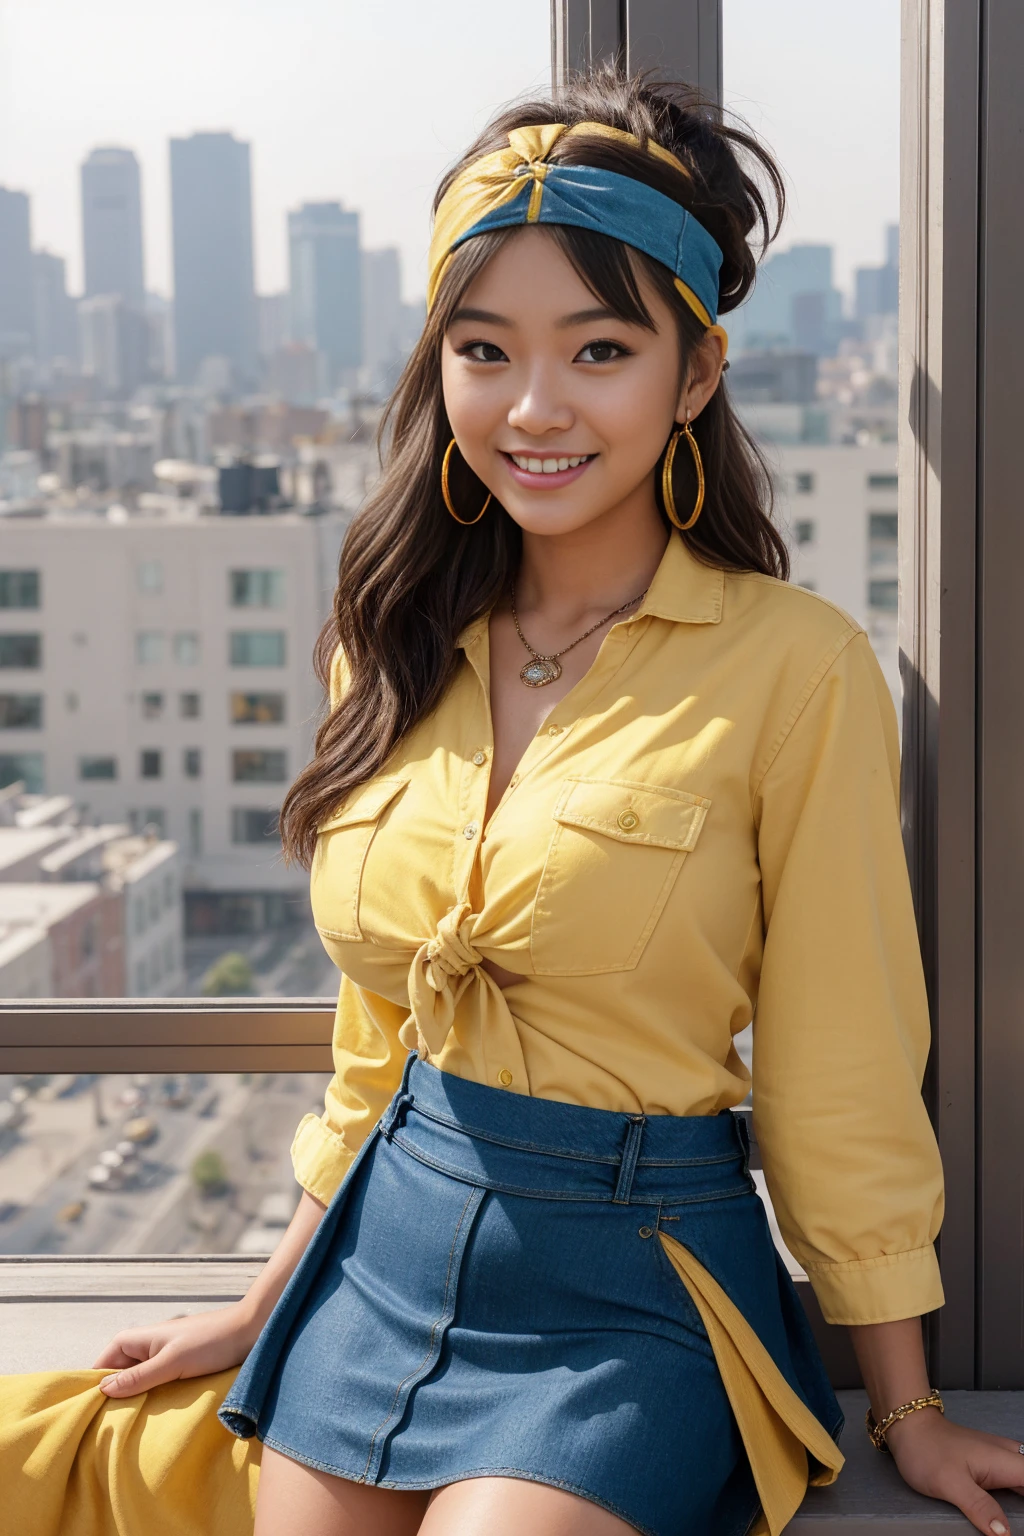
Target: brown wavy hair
column 410, row 578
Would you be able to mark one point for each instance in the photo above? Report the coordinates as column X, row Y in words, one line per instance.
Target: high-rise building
column 325, row 284
column 56, row 324
column 112, row 225
column 17, row 317
column 214, row 294
column 383, row 321
column 877, row 289
column 794, row 304
column 272, row 316
column 115, row 343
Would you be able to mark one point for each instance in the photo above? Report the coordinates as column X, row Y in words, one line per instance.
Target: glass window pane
column 19, row 589
column 200, row 388
column 256, row 589
column 97, row 767
column 21, row 711
column 257, row 708
column 150, row 1163
column 256, row 766
column 814, row 351
column 21, row 651
column 257, row 648
column 187, row 648
column 149, row 647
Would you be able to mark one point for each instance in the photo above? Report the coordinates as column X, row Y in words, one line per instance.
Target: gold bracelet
column 877, row 1432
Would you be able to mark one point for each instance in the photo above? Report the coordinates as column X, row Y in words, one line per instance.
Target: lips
column 547, row 474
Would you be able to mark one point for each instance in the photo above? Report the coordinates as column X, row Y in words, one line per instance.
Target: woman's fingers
column 128, row 1347
column 144, row 1374
column 980, row 1508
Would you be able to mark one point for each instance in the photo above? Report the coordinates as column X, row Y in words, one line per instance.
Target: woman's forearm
column 892, row 1363
column 265, row 1291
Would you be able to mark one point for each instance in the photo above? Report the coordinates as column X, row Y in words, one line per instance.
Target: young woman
column 596, row 787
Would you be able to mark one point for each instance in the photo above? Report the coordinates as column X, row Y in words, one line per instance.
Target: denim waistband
column 542, row 1147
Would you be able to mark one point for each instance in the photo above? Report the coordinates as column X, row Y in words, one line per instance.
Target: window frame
column 961, row 218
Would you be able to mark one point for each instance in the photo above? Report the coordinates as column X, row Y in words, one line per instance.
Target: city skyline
column 319, row 133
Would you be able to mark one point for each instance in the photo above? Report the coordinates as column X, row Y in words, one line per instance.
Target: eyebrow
column 580, row 317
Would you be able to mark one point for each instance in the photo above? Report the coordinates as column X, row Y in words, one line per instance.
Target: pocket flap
column 633, row 813
column 366, row 804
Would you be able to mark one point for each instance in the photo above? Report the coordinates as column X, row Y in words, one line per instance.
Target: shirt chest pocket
column 614, row 856
column 343, row 842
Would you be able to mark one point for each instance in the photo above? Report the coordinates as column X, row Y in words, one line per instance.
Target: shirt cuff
column 880, row 1290
column 320, row 1158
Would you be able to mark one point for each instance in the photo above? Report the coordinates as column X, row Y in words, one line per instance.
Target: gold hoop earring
column 667, row 494
column 464, row 522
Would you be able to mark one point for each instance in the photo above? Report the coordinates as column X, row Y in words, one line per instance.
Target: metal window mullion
column 678, row 39
column 938, row 524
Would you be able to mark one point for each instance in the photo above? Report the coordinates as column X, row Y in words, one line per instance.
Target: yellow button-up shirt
column 703, row 831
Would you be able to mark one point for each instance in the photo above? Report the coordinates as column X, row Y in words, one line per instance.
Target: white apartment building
column 836, row 504
column 157, row 670
column 147, row 874
column 26, row 961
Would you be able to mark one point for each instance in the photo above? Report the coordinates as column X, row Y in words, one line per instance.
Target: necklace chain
column 553, row 655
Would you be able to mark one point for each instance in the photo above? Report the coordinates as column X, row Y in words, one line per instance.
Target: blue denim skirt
column 486, row 1296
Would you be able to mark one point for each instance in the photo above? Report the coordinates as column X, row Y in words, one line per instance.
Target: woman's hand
column 210, row 1341
column 171, row 1351
column 947, row 1461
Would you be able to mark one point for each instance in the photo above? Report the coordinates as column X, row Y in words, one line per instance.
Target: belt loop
column 395, row 1113
column 630, row 1153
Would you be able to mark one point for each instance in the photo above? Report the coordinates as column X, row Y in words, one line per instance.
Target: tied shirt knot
column 440, row 972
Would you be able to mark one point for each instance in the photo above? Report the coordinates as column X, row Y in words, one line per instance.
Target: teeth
column 547, row 466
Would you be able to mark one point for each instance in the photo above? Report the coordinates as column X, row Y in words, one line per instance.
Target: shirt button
column 504, row 1077
column 479, row 758
column 470, row 830
column 555, row 730
column 628, row 821
column 513, row 781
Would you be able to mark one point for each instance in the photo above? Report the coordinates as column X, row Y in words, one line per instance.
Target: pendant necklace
column 541, row 670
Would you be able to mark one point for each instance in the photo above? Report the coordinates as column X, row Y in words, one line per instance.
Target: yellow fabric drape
column 74, row 1462
column 777, row 1428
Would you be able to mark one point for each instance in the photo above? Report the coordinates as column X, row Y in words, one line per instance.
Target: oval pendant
column 540, row 671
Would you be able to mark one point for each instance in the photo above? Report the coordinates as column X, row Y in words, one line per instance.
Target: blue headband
column 515, row 187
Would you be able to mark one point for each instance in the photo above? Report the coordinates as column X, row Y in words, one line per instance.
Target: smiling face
column 561, row 408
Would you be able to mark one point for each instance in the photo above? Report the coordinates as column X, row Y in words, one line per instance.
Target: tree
column 209, row 1174
column 230, row 976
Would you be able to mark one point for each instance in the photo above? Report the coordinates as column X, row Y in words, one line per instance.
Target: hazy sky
column 367, row 101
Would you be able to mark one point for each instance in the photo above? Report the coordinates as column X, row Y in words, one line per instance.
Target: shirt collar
column 682, row 590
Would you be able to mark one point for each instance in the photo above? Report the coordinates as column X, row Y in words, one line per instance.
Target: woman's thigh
column 295, row 1500
column 508, row 1506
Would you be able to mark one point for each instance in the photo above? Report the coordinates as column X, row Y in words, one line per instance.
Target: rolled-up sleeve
column 841, row 1023
column 368, row 1064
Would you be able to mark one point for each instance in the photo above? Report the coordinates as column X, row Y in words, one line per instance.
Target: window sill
column 57, row 1314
